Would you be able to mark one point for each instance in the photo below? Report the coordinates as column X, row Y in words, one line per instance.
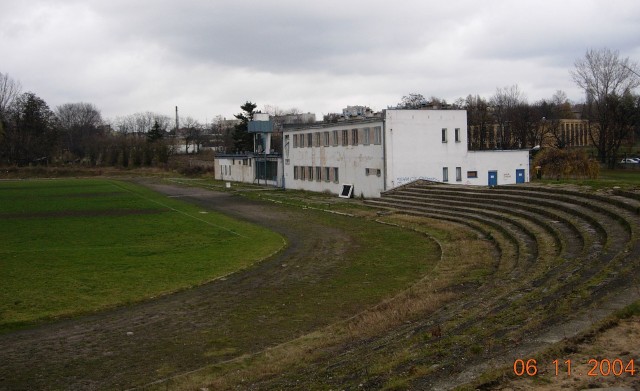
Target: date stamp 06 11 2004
column 593, row 367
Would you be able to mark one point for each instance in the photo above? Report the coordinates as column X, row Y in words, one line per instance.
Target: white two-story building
column 380, row 153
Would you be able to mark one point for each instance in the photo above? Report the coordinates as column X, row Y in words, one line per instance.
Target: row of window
column 310, row 173
column 344, row 137
column 242, row 162
column 445, row 174
column 445, row 135
column 226, row 169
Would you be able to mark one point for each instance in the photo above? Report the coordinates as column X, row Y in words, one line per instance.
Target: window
column 445, row 174
column 377, row 135
column 318, row 173
column 309, row 173
column 309, row 140
column 373, row 171
column 472, row 174
column 458, row 174
column 457, row 131
column 345, row 137
column 303, row 172
column 317, row 139
column 295, row 172
column 366, row 136
column 326, row 174
column 335, row 138
column 335, row 174
column 444, row 135
column 354, row 136
column 295, row 141
column 325, row 139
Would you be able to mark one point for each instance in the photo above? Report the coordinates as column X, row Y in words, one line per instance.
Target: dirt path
column 138, row 344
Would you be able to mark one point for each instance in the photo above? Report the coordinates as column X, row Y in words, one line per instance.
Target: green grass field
column 624, row 178
column 76, row 246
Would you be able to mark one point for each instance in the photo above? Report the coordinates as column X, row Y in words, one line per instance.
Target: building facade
column 401, row 146
column 548, row 133
column 323, row 156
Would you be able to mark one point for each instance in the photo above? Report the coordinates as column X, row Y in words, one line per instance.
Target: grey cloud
column 129, row 56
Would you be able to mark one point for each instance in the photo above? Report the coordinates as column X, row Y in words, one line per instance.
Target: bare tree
column 552, row 112
column 221, row 134
column 80, row 124
column 141, row 123
column 9, row 91
column 192, row 132
column 412, row 101
column 605, row 77
column 479, row 121
column 505, row 103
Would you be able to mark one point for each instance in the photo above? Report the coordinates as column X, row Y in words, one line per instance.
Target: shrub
column 563, row 163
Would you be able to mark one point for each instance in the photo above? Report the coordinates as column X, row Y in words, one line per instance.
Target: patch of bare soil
column 610, row 359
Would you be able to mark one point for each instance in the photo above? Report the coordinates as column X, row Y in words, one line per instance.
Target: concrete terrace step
column 524, row 241
column 540, row 218
column 616, row 224
column 505, row 244
column 595, row 230
column 617, row 202
column 579, row 225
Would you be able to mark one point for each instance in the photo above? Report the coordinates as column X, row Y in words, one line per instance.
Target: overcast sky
column 209, row 57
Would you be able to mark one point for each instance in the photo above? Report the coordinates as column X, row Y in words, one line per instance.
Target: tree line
column 611, row 109
column 32, row 133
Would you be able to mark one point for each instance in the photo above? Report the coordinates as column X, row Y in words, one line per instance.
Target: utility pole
column 177, row 122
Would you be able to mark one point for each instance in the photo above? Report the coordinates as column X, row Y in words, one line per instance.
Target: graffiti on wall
column 406, row 179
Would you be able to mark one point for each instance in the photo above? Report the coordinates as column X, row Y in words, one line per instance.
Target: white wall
column 504, row 162
column 233, row 169
column 414, row 144
column 415, row 150
column 351, row 160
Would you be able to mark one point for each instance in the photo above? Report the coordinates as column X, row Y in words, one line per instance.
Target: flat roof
column 325, row 124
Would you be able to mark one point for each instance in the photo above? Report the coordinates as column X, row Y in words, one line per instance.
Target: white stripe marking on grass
column 179, row 211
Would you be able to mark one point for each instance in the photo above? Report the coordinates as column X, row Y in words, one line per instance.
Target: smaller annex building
column 262, row 166
column 380, row 153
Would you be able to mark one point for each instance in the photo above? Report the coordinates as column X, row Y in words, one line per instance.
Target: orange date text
column 593, row 367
